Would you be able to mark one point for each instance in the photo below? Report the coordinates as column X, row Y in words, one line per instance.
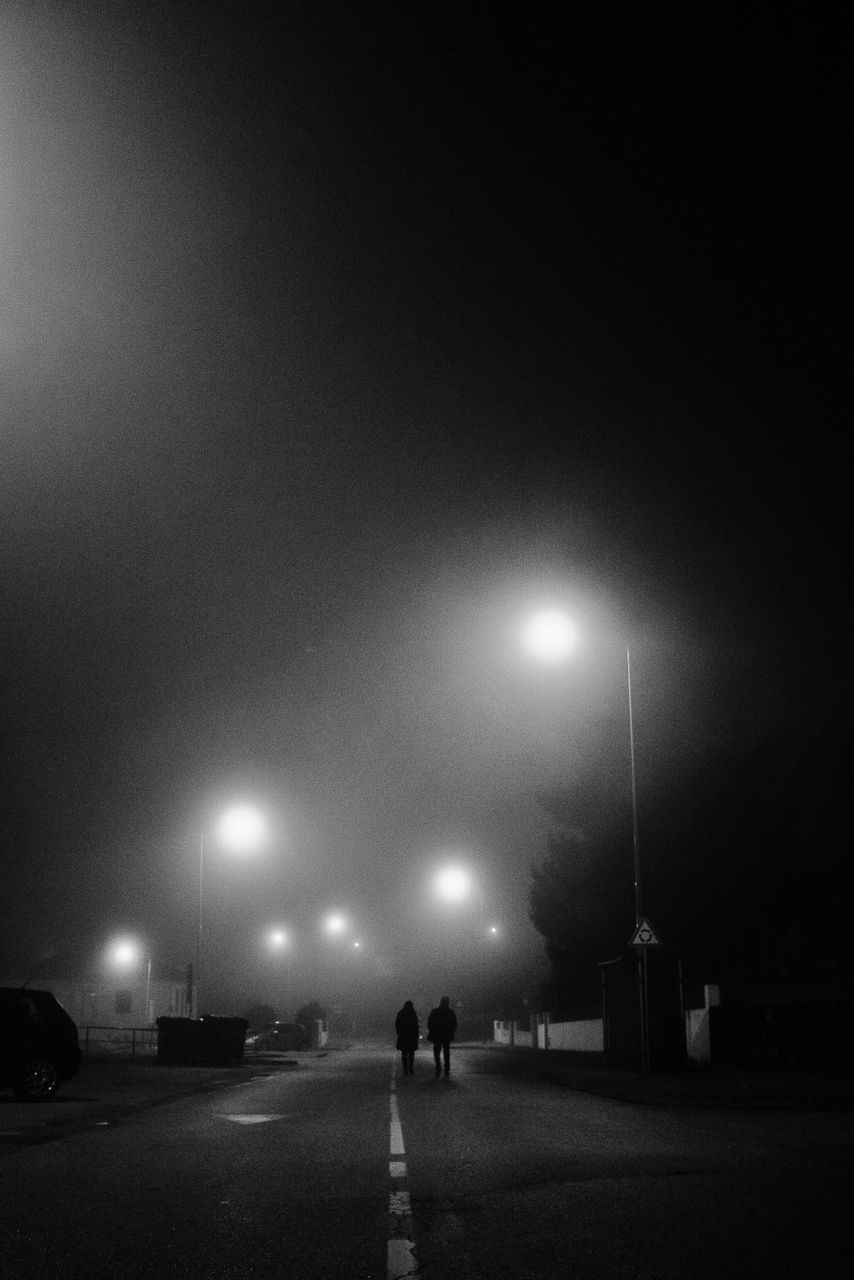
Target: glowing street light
column 551, row 636
column 240, row 829
column 335, row 924
column 125, row 954
column 279, row 939
column 454, row 884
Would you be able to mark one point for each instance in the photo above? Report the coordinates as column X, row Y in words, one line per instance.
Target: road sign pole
column 642, row 972
column 642, row 939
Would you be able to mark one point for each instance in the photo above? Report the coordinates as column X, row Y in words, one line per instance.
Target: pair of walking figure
column 441, row 1028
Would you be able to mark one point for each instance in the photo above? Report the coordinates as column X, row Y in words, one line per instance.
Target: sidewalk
column 108, row 1089
column 697, row 1086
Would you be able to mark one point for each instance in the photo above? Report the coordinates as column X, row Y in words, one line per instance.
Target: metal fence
column 118, row 1042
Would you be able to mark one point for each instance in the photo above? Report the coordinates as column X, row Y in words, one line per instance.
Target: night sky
column 335, row 339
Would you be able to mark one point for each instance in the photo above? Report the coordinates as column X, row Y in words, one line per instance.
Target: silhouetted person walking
column 408, row 1033
column 441, row 1026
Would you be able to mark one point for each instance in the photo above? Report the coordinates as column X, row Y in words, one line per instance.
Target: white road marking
column 398, row 1204
column 400, row 1261
column 252, row 1119
column 400, row 1256
column 396, row 1148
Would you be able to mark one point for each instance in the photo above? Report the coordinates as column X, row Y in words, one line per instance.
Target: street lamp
column 278, row 939
column 455, row 884
column 551, row 636
column 335, row 924
column 240, row 829
column 126, row 953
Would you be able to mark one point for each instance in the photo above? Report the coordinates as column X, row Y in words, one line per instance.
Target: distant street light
column 335, row 924
column 551, row 636
column 279, row 939
column 456, row 884
column 240, row 829
column 126, row 953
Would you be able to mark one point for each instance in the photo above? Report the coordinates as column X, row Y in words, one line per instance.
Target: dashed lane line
column 400, row 1257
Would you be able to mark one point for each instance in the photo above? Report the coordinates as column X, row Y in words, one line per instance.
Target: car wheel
column 38, row 1080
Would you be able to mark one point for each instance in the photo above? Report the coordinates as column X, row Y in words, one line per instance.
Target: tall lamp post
column 126, row 953
column 280, row 940
column 551, row 637
column 335, row 925
column 454, row 884
column 240, row 829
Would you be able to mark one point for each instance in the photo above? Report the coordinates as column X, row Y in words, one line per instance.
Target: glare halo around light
column 242, row 828
column 124, row 952
column 551, row 636
column 454, row 884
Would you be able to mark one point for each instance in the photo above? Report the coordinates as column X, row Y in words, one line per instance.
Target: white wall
column 697, row 1035
column 509, row 1033
column 586, row 1036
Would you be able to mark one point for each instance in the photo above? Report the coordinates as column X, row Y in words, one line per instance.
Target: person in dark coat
column 408, row 1034
column 441, row 1028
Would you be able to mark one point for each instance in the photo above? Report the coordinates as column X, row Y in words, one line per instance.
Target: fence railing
column 117, row 1041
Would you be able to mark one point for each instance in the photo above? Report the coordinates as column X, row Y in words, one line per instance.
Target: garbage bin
column 178, row 1039
column 223, row 1039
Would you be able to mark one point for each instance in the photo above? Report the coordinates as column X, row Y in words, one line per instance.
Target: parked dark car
column 278, row 1035
column 39, row 1046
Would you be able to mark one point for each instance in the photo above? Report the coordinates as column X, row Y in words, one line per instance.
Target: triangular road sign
column 644, row 935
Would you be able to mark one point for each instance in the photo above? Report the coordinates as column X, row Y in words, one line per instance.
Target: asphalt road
column 337, row 1167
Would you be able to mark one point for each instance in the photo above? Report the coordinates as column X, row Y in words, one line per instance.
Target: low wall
column 584, row 1036
column 587, row 1035
column 319, row 1033
column 697, row 1035
column 511, row 1033
column 698, row 1045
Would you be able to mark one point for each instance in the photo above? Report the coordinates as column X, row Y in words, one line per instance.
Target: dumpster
column 222, row 1039
column 178, row 1039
